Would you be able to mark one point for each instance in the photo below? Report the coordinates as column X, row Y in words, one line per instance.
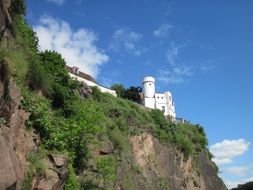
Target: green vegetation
column 107, row 166
column 68, row 123
column 71, row 183
column 132, row 93
column 120, row 89
column 36, row 167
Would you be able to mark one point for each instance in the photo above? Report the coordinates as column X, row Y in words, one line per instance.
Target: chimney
column 75, row 70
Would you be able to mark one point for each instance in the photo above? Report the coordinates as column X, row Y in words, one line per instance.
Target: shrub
column 27, row 181
column 120, row 89
column 97, row 95
column 159, row 118
column 17, row 7
column 81, row 154
column 133, row 93
column 27, row 38
column 38, row 78
column 184, row 144
column 119, row 140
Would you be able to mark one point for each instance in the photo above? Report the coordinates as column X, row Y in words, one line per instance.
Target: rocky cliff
column 16, row 142
column 164, row 167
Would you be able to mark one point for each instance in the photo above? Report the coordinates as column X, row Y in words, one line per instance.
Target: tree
column 133, row 93
column 120, row 89
column 54, row 65
column 17, row 7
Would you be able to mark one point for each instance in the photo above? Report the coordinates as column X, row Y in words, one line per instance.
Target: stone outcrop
column 55, row 173
column 164, row 167
column 84, row 90
column 15, row 141
column 5, row 24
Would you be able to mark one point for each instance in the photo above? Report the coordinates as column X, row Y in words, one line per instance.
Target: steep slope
column 53, row 136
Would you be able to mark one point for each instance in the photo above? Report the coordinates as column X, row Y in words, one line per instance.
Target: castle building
column 153, row 100
column 76, row 74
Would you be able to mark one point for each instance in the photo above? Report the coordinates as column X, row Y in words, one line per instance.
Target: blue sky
column 200, row 50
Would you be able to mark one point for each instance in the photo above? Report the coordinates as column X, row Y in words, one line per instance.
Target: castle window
column 163, row 109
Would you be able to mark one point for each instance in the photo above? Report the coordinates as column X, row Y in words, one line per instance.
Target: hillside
column 57, row 133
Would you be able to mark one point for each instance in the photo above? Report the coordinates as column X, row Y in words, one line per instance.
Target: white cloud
column 77, row 47
column 172, row 53
column 239, row 170
column 175, row 72
column 163, row 30
column 175, row 76
column 235, row 183
column 128, row 40
column 58, row 2
column 226, row 150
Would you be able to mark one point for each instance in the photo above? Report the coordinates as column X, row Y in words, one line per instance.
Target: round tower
column 148, row 84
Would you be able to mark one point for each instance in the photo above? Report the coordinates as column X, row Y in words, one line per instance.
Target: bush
column 26, row 37
column 184, row 144
column 159, row 118
column 133, row 93
column 38, row 78
column 17, row 7
column 120, row 89
column 119, row 140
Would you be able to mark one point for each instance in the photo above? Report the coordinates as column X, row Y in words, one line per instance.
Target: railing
column 181, row 120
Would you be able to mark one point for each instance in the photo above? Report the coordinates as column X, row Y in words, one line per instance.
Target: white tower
column 148, row 84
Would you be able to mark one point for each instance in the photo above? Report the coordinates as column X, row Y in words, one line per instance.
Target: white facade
column 161, row 101
column 75, row 75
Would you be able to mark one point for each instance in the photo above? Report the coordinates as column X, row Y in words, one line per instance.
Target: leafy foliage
column 71, row 183
column 26, row 37
column 120, row 89
column 64, row 134
column 133, row 93
column 37, row 78
column 107, row 168
column 17, row 7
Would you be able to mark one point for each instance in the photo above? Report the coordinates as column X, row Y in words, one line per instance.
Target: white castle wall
column 148, row 84
column 90, row 83
column 161, row 101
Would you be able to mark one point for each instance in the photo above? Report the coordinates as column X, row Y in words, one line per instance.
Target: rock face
column 55, row 174
column 5, row 23
column 15, row 141
column 84, row 90
column 163, row 167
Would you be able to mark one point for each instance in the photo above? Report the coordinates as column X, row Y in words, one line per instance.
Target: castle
column 161, row 101
column 150, row 99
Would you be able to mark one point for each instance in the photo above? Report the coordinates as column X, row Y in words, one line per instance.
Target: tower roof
column 148, row 79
